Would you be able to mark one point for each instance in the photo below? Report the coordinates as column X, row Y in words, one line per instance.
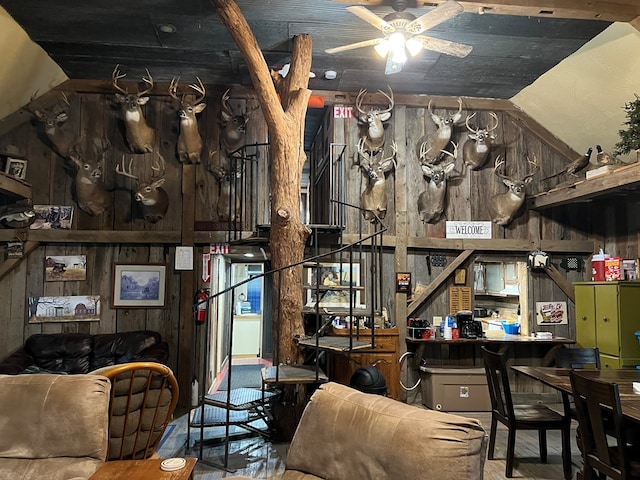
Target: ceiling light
column 330, row 74
column 167, row 28
column 382, row 48
column 249, row 255
column 414, row 46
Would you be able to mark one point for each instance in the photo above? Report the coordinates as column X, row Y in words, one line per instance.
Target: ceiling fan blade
column 351, row 46
column 445, row 46
column 371, row 18
column 441, row 13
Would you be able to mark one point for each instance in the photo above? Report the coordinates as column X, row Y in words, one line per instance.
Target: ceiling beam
column 606, row 10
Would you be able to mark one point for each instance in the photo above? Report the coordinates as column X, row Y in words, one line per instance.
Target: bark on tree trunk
column 285, row 117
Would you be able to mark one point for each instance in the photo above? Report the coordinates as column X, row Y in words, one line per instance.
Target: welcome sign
column 457, row 229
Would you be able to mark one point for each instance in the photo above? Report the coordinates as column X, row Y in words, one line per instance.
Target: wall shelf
column 14, row 188
column 620, row 181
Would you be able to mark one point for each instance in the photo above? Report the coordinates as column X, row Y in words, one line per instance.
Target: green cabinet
column 607, row 317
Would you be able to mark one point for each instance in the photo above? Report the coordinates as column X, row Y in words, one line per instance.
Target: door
column 607, row 324
column 585, row 316
column 248, row 310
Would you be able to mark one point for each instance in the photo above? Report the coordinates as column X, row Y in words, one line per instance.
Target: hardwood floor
column 257, row 458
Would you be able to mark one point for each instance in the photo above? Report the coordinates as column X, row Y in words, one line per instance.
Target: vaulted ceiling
column 514, row 42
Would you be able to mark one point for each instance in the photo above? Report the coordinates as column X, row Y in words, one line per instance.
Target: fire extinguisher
column 201, row 306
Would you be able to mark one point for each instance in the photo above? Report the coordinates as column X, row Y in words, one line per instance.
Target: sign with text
column 468, row 229
column 551, row 313
column 219, row 249
column 342, row 112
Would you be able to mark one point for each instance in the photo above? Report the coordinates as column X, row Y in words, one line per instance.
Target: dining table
column 558, row 378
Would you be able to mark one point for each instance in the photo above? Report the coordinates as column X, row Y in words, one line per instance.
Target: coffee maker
column 469, row 327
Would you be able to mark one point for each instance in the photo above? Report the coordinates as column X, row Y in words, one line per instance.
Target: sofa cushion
column 124, row 347
column 53, row 426
column 67, row 352
column 345, row 434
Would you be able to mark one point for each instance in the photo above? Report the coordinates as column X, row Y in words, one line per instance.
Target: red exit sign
column 342, row 112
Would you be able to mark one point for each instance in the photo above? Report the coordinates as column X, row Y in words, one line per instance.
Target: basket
column 511, row 328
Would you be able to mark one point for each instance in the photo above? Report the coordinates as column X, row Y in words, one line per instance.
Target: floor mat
column 243, row 376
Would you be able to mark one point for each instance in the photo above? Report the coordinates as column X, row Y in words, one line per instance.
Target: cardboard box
column 455, row 389
column 612, row 270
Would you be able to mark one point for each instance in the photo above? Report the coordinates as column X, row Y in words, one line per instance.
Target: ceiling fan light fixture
column 396, row 48
column 382, row 48
column 414, row 46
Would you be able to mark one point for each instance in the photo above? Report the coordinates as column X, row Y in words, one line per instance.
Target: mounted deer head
column 504, row 207
column 476, row 149
column 152, row 198
column 189, row 139
column 140, row 137
column 228, row 206
column 441, row 138
column 373, row 122
column 374, row 196
column 431, row 202
column 91, row 193
column 233, row 127
column 52, row 119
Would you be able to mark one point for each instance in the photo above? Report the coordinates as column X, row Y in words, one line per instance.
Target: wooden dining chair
column 524, row 417
column 144, row 396
column 585, row 357
column 605, row 448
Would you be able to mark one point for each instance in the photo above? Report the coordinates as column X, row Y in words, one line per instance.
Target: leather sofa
column 345, row 434
column 82, row 353
column 53, row 426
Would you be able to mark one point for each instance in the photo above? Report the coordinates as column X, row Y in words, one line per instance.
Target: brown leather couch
column 54, row 427
column 82, row 353
column 347, row 435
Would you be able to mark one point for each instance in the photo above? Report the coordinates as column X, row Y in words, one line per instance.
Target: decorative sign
column 551, row 313
column 64, row 309
column 206, row 267
column 342, row 112
column 219, row 249
column 184, row 258
column 468, row 229
column 403, row 282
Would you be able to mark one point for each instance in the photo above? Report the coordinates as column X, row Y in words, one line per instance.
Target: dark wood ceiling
column 87, row 39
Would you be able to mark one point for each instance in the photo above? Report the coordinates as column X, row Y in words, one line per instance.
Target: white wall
column 26, row 68
column 581, row 99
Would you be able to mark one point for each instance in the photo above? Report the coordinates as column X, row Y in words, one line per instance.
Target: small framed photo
column 403, row 282
column 139, row 286
column 460, row 276
column 16, row 168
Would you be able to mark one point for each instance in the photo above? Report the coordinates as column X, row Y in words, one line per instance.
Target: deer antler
column 115, row 76
column 388, row 97
column 173, row 88
column 126, row 172
column 423, row 152
column 466, row 122
column 359, row 98
column 158, row 168
column 499, row 162
column 200, row 89
column 495, row 117
column 149, row 81
column 535, row 168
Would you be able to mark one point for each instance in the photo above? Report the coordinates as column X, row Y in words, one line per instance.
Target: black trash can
column 369, row 380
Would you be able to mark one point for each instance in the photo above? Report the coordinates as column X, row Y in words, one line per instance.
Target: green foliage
column 630, row 138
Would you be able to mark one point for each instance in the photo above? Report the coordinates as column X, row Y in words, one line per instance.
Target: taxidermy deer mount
column 52, row 120
column 91, row 193
column 476, row 149
column 374, row 197
column 504, row 207
column 228, row 173
column 372, row 120
column 233, row 127
column 151, row 197
column 140, row 137
column 189, row 139
column 431, row 202
column 439, row 140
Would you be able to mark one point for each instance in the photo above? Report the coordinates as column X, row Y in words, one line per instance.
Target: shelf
column 324, row 288
column 622, row 180
column 335, row 343
column 14, row 187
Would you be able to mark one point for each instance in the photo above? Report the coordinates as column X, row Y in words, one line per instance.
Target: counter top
column 494, row 339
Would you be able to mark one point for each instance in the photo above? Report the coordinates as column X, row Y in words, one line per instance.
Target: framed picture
column 16, row 168
column 52, row 217
column 403, row 282
column 139, row 286
column 64, row 268
column 551, row 313
column 344, row 277
column 460, row 277
column 84, row 308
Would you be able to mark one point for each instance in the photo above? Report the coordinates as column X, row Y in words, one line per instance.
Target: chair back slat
column 498, row 383
column 577, row 357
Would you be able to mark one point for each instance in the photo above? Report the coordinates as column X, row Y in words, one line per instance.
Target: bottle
column 448, row 326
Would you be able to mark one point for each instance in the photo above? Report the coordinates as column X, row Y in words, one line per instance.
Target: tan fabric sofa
column 53, row 427
column 347, row 435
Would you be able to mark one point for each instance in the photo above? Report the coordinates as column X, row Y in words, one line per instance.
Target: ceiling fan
column 402, row 33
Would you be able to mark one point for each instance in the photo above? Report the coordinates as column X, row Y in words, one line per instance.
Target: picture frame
column 460, row 277
column 403, row 282
column 345, row 277
column 52, row 217
column 16, row 168
column 65, row 268
column 63, row 309
column 139, row 285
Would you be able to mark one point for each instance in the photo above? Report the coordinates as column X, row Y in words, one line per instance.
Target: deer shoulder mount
column 439, row 140
column 374, row 196
column 189, row 140
column 52, row 120
column 504, row 207
column 152, row 198
column 91, row 193
column 140, row 137
column 233, row 127
column 476, row 149
column 372, row 120
column 431, row 202
column 229, row 180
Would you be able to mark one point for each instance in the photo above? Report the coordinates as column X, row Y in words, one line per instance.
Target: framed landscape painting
column 64, row 268
column 84, row 308
column 139, row 286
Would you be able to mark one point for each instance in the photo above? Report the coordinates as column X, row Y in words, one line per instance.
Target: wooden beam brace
column 566, row 286
column 440, row 279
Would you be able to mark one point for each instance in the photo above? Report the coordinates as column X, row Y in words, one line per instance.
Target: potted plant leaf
column 630, row 137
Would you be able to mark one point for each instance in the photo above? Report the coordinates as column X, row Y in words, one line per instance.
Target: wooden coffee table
column 142, row 470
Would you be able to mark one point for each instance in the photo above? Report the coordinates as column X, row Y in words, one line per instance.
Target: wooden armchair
column 143, row 398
